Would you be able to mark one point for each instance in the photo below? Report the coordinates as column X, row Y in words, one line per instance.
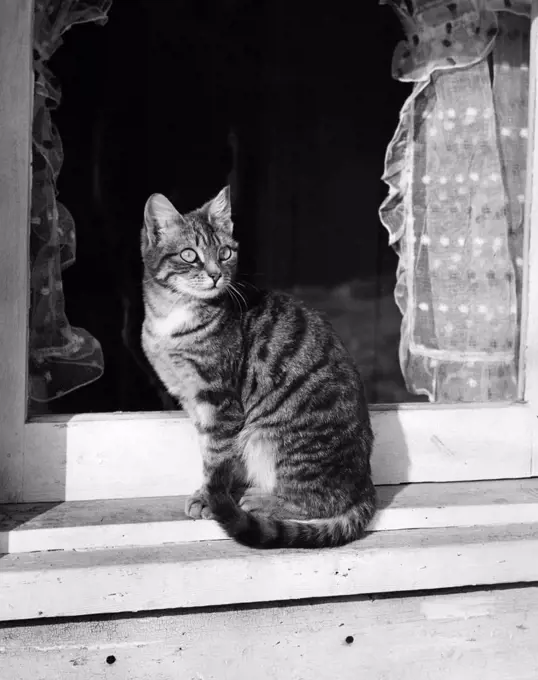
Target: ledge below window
column 426, row 536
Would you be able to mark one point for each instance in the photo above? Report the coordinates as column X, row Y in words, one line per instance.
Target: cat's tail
column 264, row 531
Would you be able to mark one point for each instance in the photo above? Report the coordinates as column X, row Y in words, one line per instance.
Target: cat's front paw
column 197, row 507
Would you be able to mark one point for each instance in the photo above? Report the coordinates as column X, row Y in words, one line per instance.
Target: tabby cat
column 277, row 402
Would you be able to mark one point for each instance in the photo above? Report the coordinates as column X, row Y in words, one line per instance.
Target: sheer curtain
column 61, row 357
column 456, row 175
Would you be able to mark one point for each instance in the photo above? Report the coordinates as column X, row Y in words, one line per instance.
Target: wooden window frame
column 85, row 457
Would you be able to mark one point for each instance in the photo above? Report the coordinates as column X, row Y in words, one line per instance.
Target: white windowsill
column 145, row 522
column 430, row 536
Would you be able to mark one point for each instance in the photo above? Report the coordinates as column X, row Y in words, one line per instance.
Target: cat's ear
column 219, row 211
column 159, row 215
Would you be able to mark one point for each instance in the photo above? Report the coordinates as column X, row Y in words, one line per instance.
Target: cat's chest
column 163, row 339
column 178, row 321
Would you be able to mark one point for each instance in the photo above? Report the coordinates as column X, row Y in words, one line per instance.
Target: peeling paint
column 458, row 608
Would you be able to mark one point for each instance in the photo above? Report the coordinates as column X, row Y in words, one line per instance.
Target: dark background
column 149, row 101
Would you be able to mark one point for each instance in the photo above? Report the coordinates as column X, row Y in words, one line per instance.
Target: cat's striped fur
column 276, row 399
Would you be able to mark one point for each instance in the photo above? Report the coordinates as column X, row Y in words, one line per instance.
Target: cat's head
column 194, row 254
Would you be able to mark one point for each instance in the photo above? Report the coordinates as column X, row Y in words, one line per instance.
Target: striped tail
column 264, row 531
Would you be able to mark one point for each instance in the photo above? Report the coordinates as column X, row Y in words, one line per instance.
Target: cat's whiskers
column 244, row 284
column 234, row 299
column 148, row 279
column 240, row 297
column 239, row 294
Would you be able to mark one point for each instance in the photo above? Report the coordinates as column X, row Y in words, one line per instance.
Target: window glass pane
column 182, row 98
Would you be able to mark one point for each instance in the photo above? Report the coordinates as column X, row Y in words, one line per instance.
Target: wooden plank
column 112, row 456
column 528, row 364
column 468, row 635
column 452, row 444
column 90, row 525
column 15, row 124
column 133, row 455
column 211, row 573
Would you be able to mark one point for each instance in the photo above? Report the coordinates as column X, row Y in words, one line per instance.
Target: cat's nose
column 216, row 276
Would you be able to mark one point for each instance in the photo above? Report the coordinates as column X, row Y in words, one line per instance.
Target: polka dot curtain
column 61, row 358
column 456, row 175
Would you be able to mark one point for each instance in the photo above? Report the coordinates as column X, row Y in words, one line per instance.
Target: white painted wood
column 114, row 456
column 528, row 368
column 118, row 456
column 15, row 117
column 210, row 573
column 91, row 525
column 488, row 634
column 452, row 444
column 133, row 455
column 528, row 373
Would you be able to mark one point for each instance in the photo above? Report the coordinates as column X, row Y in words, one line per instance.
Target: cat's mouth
column 209, row 291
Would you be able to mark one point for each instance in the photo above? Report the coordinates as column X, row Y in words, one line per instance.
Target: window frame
column 85, row 457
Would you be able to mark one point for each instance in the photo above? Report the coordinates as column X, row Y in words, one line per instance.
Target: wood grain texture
column 128, row 456
column 92, row 525
column 488, row 634
column 15, row 126
column 211, row 573
column 528, row 364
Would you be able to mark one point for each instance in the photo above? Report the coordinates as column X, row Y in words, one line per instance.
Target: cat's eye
column 189, row 255
column 225, row 253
